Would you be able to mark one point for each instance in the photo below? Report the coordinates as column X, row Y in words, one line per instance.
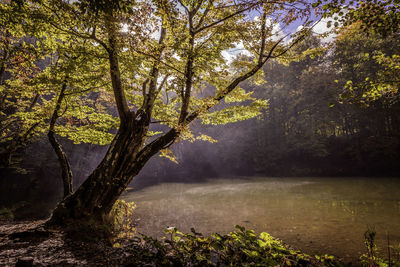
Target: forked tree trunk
column 124, row 159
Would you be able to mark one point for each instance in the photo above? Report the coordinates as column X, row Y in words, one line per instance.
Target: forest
column 102, row 102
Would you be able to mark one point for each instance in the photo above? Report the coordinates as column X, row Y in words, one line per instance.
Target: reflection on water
column 328, row 215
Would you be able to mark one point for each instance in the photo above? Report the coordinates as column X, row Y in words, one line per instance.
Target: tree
column 20, row 110
column 314, row 124
column 158, row 82
column 74, row 88
column 379, row 19
column 50, row 87
column 367, row 82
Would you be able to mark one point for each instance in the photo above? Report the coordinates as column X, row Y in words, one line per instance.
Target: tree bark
column 66, row 171
column 123, row 161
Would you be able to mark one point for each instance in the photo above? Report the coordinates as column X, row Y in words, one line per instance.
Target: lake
column 329, row 215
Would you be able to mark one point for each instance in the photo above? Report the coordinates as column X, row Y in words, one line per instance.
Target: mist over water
column 328, row 215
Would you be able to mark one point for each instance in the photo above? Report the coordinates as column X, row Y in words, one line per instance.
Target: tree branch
column 262, row 48
column 217, row 98
column 119, row 93
column 162, row 83
column 162, row 62
column 66, row 171
column 184, row 7
column 201, row 20
column 150, row 96
column 225, row 18
column 186, row 92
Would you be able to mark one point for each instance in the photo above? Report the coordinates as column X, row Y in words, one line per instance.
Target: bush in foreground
column 239, row 248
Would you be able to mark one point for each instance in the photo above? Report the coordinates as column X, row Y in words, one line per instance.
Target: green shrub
column 120, row 219
column 239, row 248
column 373, row 259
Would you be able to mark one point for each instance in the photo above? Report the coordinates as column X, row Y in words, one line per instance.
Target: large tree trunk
column 123, row 161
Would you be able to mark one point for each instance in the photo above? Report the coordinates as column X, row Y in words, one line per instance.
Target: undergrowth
column 115, row 228
column 119, row 218
column 373, row 258
column 241, row 247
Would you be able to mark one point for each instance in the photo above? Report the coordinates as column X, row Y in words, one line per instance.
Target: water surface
column 327, row 215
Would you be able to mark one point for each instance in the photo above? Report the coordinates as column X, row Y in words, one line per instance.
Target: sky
column 279, row 30
column 320, row 28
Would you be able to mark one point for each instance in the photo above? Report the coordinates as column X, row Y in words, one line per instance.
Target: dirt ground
column 29, row 244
